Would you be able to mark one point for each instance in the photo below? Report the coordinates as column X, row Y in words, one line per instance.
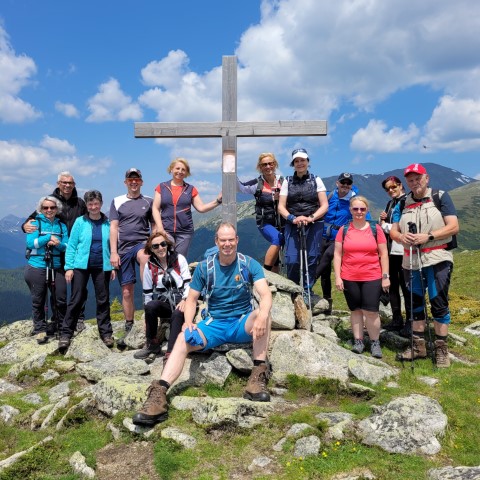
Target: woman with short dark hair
column 88, row 255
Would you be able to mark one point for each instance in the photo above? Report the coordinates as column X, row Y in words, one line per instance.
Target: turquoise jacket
column 37, row 240
column 78, row 250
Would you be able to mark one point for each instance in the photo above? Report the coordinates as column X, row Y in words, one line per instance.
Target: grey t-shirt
column 134, row 216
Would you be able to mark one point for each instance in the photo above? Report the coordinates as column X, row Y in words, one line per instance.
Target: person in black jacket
column 72, row 208
column 303, row 203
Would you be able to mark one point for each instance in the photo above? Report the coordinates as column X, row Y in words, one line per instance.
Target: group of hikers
column 407, row 252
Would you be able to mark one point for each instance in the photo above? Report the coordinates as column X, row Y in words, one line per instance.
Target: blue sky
column 389, row 77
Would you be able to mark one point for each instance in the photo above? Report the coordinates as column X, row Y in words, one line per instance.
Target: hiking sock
column 441, row 337
column 163, row 383
column 419, row 334
column 268, row 267
column 257, row 363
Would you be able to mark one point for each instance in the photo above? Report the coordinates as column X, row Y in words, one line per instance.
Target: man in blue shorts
column 130, row 223
column 230, row 318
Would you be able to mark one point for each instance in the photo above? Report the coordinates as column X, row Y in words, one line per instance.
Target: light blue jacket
column 80, row 241
column 37, row 240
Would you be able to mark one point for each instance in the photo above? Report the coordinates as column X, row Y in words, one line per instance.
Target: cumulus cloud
column 57, row 145
column 454, row 125
column 111, row 103
column 376, row 137
column 68, row 109
column 17, row 72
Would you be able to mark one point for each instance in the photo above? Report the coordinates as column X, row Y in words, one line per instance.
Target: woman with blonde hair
column 266, row 190
column 172, row 205
column 361, row 273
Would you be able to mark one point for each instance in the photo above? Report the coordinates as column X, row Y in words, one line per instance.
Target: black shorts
column 363, row 295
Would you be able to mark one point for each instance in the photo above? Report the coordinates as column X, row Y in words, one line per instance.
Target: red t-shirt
column 360, row 260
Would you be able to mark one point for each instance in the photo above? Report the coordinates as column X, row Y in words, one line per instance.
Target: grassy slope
column 225, row 453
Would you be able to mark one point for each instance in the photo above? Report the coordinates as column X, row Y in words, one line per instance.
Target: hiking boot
column 375, row 349
column 441, row 354
column 358, row 346
column 256, row 389
column 128, row 325
column 63, row 343
column 419, row 350
column 149, row 349
column 80, row 326
column 396, row 324
column 155, row 408
column 41, row 338
column 328, row 311
column 108, row 341
column 51, row 329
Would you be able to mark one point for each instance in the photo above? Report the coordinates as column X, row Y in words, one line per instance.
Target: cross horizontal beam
column 230, row 129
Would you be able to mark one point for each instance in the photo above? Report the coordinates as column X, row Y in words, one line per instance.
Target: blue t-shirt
column 229, row 297
column 95, row 260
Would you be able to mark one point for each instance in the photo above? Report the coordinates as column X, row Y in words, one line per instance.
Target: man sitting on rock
column 225, row 280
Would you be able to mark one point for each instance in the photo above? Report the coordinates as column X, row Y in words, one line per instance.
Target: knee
column 127, row 292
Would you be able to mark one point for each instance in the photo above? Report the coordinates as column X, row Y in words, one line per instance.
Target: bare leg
column 260, row 345
column 271, row 255
column 142, row 259
column 356, row 320
column 372, row 322
column 127, row 301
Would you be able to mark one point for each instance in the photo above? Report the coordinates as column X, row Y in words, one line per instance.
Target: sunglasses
column 393, row 187
column 345, row 182
column 359, row 209
column 267, row 164
column 49, row 208
column 161, row 244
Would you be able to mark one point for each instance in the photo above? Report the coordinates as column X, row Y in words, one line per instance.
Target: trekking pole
column 303, row 253
column 427, row 318
column 411, row 309
column 53, row 295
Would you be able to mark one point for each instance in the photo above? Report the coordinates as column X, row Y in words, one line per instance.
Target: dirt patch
column 126, row 462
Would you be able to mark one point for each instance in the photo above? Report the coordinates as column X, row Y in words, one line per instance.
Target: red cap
column 415, row 168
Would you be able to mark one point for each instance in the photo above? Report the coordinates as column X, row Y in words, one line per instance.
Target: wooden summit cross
column 229, row 130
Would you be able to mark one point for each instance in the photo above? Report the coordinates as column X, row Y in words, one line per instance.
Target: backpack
column 261, row 183
column 373, row 227
column 245, row 275
column 436, row 198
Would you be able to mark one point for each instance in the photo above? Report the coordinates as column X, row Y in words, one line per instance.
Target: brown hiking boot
column 256, row 389
column 155, row 408
column 419, row 350
column 441, row 354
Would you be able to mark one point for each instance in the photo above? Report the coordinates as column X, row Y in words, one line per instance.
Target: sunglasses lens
column 163, row 244
column 155, row 246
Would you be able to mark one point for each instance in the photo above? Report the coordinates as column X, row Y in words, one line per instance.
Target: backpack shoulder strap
column 260, row 184
column 210, row 276
column 373, row 227
column 345, row 230
column 154, row 271
column 436, row 195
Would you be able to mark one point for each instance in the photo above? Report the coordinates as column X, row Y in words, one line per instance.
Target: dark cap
column 131, row 172
column 299, row 152
column 345, row 176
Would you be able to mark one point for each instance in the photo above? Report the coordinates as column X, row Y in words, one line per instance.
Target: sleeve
column 72, row 245
column 199, row 280
column 284, row 189
column 339, row 237
column 185, row 274
column 320, row 184
column 113, row 215
column 194, row 192
column 380, row 235
column 147, row 285
column 256, row 270
column 36, row 241
column 446, row 205
column 32, row 216
column 249, row 187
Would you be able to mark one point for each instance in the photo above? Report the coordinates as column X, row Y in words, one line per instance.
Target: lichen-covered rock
column 214, row 370
column 283, row 315
column 307, row 446
column 454, row 473
column 21, row 349
column 406, row 425
column 240, row 359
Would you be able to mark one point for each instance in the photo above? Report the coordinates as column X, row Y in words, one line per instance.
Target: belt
column 426, row 250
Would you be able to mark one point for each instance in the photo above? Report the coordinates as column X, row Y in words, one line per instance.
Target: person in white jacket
column 394, row 188
column 166, row 280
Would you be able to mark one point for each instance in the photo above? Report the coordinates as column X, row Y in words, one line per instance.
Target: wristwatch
column 385, row 276
column 312, row 216
column 431, row 238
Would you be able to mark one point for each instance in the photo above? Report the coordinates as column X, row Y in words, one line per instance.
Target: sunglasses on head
column 161, row 244
column 359, row 209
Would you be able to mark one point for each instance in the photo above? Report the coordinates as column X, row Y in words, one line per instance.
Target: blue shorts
column 126, row 272
column 226, row 330
column 272, row 235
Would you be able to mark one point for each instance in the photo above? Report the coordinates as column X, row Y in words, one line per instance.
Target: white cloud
column 67, row 109
column 57, row 145
column 376, row 138
column 16, row 72
column 454, row 125
column 111, row 103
